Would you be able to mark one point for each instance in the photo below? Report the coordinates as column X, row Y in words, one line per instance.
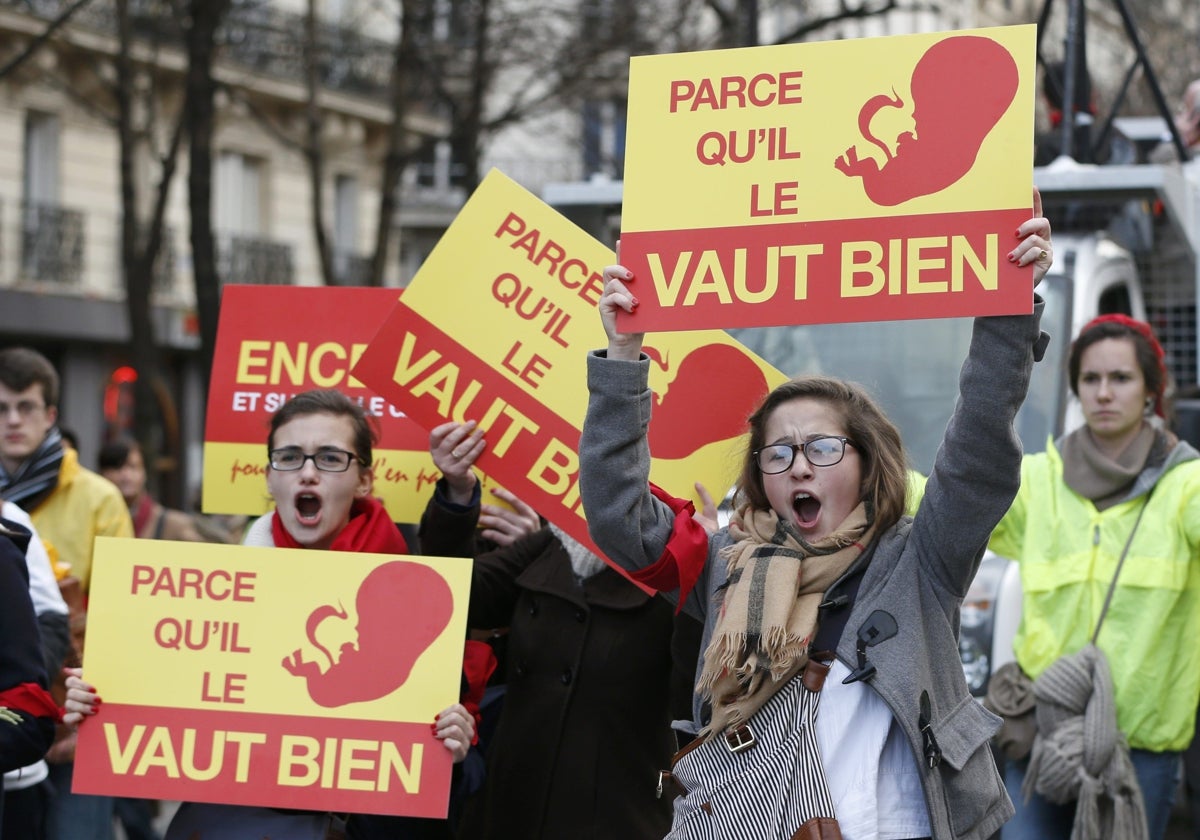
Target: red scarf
column 479, row 663
column 686, row 552
column 141, row 515
column 31, row 698
column 369, row 531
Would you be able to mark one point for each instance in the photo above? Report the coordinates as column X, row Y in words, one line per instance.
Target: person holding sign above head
column 830, row 700
column 319, row 476
column 592, row 665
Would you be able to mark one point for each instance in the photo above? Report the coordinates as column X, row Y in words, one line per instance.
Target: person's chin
column 308, row 534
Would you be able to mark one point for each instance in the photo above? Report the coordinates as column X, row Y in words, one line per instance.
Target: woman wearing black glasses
column 319, row 475
column 820, row 558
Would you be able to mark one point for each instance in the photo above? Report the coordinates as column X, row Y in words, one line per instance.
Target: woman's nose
column 800, row 466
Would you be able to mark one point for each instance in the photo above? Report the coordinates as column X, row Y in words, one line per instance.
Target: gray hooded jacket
column 917, row 572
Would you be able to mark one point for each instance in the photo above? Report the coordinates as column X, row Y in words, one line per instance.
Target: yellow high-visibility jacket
column 1068, row 552
column 82, row 507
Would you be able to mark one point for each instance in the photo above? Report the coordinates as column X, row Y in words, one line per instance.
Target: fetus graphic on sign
column 960, row 88
column 676, row 429
column 388, row 641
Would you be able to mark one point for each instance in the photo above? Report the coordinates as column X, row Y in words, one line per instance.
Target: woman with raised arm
column 830, row 701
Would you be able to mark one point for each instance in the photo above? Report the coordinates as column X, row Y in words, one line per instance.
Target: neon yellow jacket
column 82, row 507
column 1068, row 553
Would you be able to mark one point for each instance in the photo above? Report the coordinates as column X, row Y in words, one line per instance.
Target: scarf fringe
column 779, row 579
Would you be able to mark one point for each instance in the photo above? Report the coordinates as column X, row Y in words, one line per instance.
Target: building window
column 349, row 265
column 41, row 158
column 239, row 194
column 52, row 237
column 604, row 138
column 436, row 169
column 245, row 254
column 450, row 22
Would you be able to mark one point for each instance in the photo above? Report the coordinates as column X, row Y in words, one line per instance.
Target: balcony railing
column 256, row 35
column 52, row 244
column 271, row 41
column 243, row 259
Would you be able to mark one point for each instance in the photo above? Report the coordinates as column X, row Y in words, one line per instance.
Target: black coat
column 23, row 741
column 585, row 726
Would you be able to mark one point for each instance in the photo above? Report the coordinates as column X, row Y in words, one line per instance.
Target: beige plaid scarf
column 769, row 613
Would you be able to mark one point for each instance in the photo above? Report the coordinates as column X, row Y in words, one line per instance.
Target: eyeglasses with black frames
column 326, row 459
column 823, row 451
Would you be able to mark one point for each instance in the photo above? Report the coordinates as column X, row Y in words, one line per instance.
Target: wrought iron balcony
column 255, row 34
column 264, row 38
column 243, row 259
column 52, row 244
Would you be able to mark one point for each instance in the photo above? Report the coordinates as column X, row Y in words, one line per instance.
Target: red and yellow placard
column 858, row 180
column 496, row 327
column 276, row 341
column 278, row 677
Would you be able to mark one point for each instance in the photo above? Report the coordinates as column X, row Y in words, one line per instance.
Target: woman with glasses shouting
column 830, row 702
column 319, row 475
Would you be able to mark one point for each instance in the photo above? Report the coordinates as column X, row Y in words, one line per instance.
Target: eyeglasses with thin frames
column 326, row 459
column 24, row 408
column 823, row 451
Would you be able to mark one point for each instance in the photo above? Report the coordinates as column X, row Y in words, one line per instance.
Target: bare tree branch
column 41, row 38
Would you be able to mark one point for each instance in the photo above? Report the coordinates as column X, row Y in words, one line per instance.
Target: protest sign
column 276, row 341
column 277, row 677
column 496, row 326
column 839, row 181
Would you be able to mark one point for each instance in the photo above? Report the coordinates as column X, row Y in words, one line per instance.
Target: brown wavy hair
column 875, row 437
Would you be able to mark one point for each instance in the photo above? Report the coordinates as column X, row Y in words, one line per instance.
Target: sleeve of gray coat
column 977, row 470
column 626, row 522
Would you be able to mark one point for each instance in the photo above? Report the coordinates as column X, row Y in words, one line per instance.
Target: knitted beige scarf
column 769, row 613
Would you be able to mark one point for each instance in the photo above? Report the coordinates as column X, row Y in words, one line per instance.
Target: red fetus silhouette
column 709, row 399
column 390, row 639
column 961, row 87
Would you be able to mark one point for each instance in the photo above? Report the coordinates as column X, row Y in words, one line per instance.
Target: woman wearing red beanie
column 1116, row 499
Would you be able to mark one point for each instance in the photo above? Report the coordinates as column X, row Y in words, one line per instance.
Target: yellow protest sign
column 286, row 678
column 496, row 327
column 857, row 180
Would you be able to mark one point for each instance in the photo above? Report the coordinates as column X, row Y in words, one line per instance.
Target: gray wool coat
column 917, row 572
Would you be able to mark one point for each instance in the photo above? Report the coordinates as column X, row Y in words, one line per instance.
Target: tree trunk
column 200, row 34
column 395, row 157
column 138, row 274
column 469, row 127
column 140, row 247
column 312, row 149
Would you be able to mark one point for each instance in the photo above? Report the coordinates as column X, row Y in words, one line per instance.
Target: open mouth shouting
column 308, row 509
column 807, row 508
